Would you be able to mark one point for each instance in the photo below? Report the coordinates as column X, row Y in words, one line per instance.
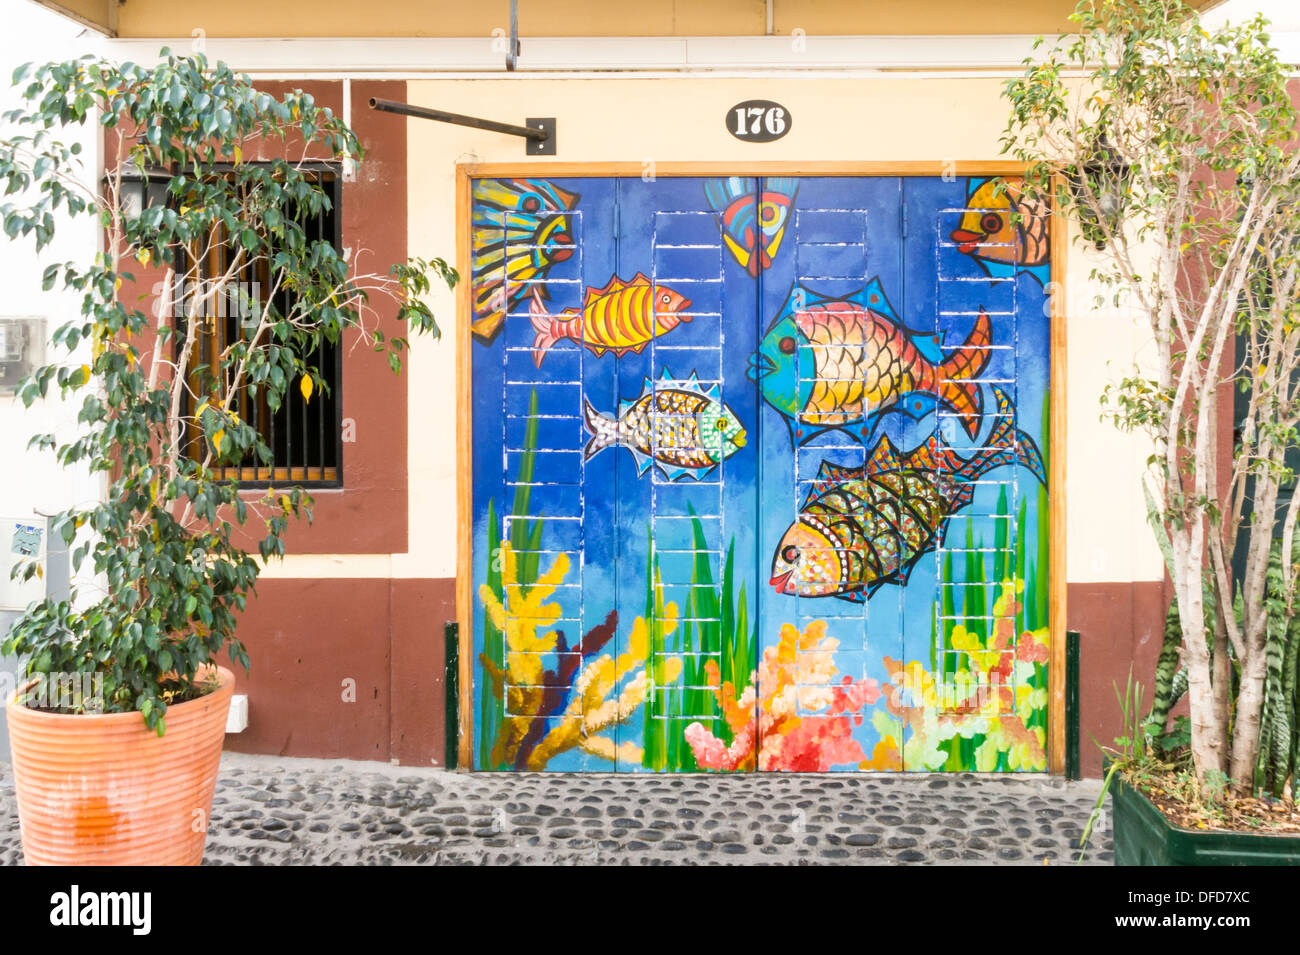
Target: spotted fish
column 521, row 229
column 832, row 362
column 622, row 317
column 752, row 223
column 862, row 528
column 1004, row 231
column 681, row 426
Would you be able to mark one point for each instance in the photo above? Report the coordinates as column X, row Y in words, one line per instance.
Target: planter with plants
column 209, row 182
column 1174, row 150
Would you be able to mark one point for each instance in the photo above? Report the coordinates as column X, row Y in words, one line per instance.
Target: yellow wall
column 446, row 18
column 882, row 119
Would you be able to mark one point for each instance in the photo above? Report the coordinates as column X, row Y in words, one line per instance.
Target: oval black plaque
column 758, row 121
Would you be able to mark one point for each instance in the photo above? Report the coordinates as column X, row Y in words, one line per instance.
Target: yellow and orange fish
column 988, row 233
column 622, row 317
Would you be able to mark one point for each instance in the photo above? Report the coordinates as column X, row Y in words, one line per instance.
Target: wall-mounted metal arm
column 512, row 55
column 441, row 116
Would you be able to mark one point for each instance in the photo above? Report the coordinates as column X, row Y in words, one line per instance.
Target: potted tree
column 1174, row 149
column 208, row 188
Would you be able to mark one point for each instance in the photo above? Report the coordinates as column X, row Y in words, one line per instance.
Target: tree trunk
column 1245, row 733
column 1209, row 735
column 1221, row 674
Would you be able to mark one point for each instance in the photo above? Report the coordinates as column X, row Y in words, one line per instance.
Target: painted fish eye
column 721, row 425
column 666, row 298
column 531, row 204
column 786, row 345
column 789, row 553
column 992, row 222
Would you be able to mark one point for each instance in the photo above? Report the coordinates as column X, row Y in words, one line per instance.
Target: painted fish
column 862, row 528
column 752, row 224
column 622, row 317
column 832, row 362
column 520, row 230
column 683, row 427
column 988, row 233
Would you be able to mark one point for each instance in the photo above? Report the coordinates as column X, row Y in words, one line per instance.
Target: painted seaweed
column 715, row 631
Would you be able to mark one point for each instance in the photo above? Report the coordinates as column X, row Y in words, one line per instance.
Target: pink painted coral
column 800, row 719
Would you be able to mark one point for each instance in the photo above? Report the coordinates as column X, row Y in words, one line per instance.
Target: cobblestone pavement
column 272, row 811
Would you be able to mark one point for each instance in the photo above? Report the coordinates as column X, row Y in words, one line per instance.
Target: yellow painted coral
column 603, row 693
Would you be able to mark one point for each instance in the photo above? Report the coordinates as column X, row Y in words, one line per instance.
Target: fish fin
column 544, row 325
column 1006, row 444
column 488, row 327
column 833, row 473
column 1042, row 274
column 968, row 362
column 602, row 427
column 872, row 295
column 884, row 457
column 613, row 285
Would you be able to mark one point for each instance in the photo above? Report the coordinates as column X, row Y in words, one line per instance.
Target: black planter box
column 1143, row 836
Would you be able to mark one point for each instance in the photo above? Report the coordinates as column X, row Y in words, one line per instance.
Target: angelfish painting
column 753, row 224
column 521, row 229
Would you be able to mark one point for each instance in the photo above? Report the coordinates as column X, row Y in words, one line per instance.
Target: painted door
column 759, row 474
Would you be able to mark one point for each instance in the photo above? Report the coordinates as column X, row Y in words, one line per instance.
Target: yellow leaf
column 144, row 257
column 218, row 438
column 286, row 503
column 306, row 387
column 40, row 571
column 85, row 373
column 239, row 155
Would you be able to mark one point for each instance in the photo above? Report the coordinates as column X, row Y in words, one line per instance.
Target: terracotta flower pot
column 106, row 790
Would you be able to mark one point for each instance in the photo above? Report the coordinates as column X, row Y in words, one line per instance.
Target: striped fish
column 622, row 317
column 862, row 528
column 521, row 229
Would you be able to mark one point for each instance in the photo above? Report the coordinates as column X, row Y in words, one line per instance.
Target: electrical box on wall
column 22, row 349
column 21, row 538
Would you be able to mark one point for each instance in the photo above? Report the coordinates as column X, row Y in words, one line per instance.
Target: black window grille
column 304, row 435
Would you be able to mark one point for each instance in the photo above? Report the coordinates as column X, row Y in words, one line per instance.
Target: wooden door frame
column 466, row 172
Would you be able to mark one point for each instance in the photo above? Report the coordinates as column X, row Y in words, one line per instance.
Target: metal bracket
column 541, row 147
column 539, row 133
column 512, row 54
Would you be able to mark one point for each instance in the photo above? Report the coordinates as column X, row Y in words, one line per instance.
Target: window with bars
column 304, row 434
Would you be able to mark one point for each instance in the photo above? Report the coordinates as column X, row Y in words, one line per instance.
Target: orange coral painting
column 801, row 718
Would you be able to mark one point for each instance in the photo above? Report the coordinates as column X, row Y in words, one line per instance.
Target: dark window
column 304, row 435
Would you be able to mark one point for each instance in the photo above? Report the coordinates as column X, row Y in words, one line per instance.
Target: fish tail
column 955, row 387
column 547, row 328
column 602, row 427
column 1006, row 444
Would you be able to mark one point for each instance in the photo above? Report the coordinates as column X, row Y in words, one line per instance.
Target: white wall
column 32, row 482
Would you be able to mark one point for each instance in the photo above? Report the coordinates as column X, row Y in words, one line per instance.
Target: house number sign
column 758, row 121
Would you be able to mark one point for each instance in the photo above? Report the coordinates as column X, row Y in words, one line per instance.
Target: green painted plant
column 525, row 541
column 714, row 626
column 157, row 421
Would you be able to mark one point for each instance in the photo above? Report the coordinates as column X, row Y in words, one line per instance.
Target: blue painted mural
column 759, row 474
